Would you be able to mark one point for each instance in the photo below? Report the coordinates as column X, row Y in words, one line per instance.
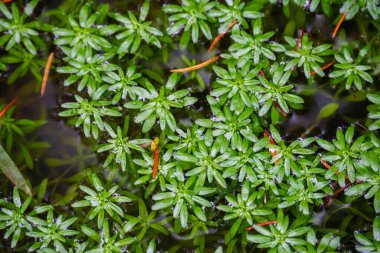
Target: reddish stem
column 328, row 201
column 262, row 224
column 7, row 1
column 46, row 73
column 328, row 166
column 267, row 135
column 220, row 35
column 339, row 24
column 201, row 65
column 155, row 163
column 299, row 40
column 271, row 141
column 7, row 107
column 263, row 74
column 324, row 67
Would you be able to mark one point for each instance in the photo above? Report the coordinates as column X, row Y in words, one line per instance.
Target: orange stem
column 267, row 135
column 7, row 1
column 6, row 108
column 328, row 166
column 220, row 35
column 262, row 224
column 271, row 141
column 201, row 65
column 339, row 24
column 324, row 67
column 155, row 163
column 46, row 73
column 299, row 40
column 328, row 200
column 263, row 73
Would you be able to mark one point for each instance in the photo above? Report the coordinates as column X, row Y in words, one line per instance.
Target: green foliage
column 312, row 5
column 87, row 71
column 132, row 31
column 192, row 16
column 283, row 236
column 307, row 56
column 81, row 34
column 25, row 62
column 122, row 84
column 374, row 110
column 18, row 28
column 156, row 105
column 367, row 176
column 120, row 147
column 352, row 7
column 51, row 232
column 10, row 170
column 349, row 71
column 14, row 218
column 276, row 91
column 238, row 10
column 90, row 114
column 369, row 243
column 254, row 46
column 205, row 163
column 243, row 206
column 237, row 86
column 182, row 197
column 103, row 201
column 303, row 195
column 15, row 137
column 231, row 129
column 344, row 152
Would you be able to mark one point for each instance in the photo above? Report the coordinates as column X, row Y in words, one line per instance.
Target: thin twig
column 154, row 147
column 201, row 65
column 324, row 67
column 329, row 199
column 262, row 224
column 267, row 135
column 220, row 35
column 7, row 107
column 328, row 166
column 299, row 40
column 155, row 163
column 272, row 142
column 263, row 73
column 46, row 73
column 339, row 24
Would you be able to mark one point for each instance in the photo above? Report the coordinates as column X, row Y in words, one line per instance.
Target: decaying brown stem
column 262, row 224
column 46, row 73
column 299, row 40
column 220, row 35
column 328, row 65
column 339, row 24
column 201, row 65
column 6, row 108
